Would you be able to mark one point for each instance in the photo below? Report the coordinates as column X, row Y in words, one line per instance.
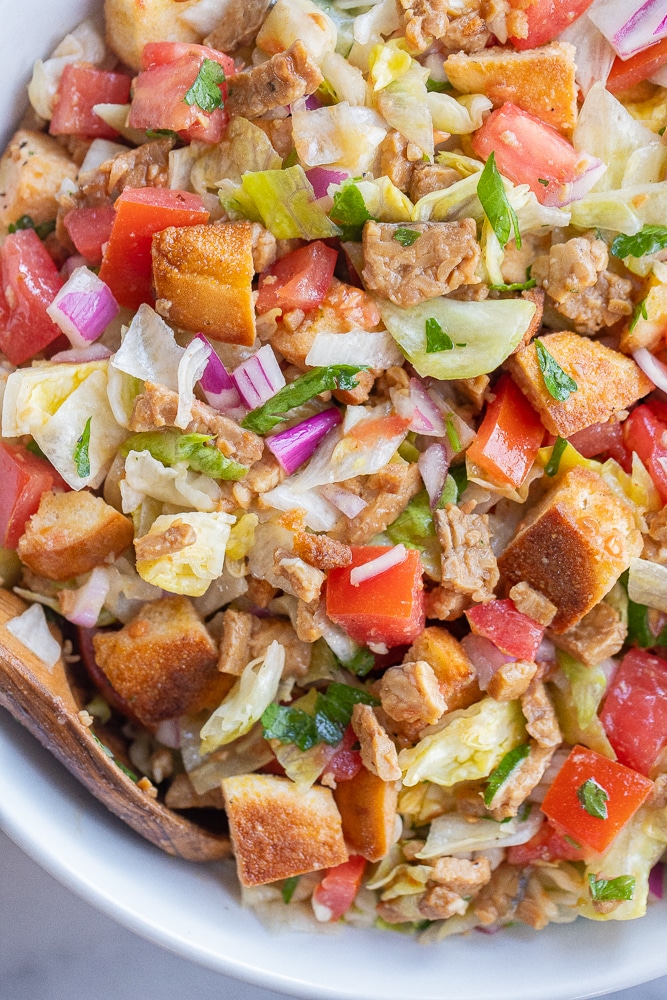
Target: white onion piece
column 434, row 466
column 191, row 367
column 83, row 308
column 259, row 378
column 89, row 599
column 376, row 567
column 377, row 349
column 345, row 501
column 428, row 416
column 32, row 631
column 168, row 733
column 647, row 584
column 485, row 657
column 81, row 355
column 652, row 368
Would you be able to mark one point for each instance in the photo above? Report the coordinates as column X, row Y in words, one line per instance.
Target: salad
column 334, row 437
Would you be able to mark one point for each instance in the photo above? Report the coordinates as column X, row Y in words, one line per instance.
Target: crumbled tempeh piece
column 429, row 177
column 468, row 563
column 541, row 720
column 474, row 389
column 530, row 602
column 511, row 680
column 446, row 657
column 445, row 603
column 517, row 787
column 182, row 795
column 444, row 257
column 411, row 849
column 411, row 693
column 378, row 753
column 165, row 543
column 467, row 33
column 297, row 653
column 300, row 579
column 401, row 910
column 460, row 875
column 498, row 899
column 264, row 247
column 600, row 634
column 387, row 494
column 239, row 25
column 423, row 21
column 321, row 551
column 32, row 169
column 157, row 407
column 145, row 166
column 367, row 806
column 440, row 903
column 260, row 592
column 284, row 78
column 305, row 626
column 236, row 632
column 394, row 162
column 265, row 474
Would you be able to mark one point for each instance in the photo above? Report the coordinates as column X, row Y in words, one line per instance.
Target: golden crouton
column 573, row 546
column 278, row 830
column 203, row 279
column 71, row 533
column 163, row 662
column 454, row 671
column 32, row 168
column 367, row 805
column 606, row 381
column 131, row 24
column 540, row 81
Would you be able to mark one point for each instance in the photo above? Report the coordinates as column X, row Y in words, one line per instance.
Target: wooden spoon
column 41, row 699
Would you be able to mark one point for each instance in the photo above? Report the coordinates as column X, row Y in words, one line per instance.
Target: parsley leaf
column 205, row 91
column 649, row 239
column 414, row 525
column 289, row 885
column 551, row 468
column 640, row 310
column 117, row 762
column 619, row 888
column 593, row 797
column 436, row 338
column 43, row 230
column 162, row 133
column 438, row 86
column 507, row 766
column 459, row 474
column 361, row 663
column 517, row 286
column 170, row 447
column 541, row 180
column 333, row 712
column 406, row 237
column 639, row 629
column 34, row 448
column 558, row 382
column 81, row 456
column 263, row 418
column 452, row 436
column 493, row 197
column 291, row 159
column 349, row 212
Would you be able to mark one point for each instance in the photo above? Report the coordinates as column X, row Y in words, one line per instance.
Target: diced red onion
column 83, row 308
column 312, row 102
column 321, row 178
column 652, row 368
column 589, row 172
column 630, row 27
column 428, row 418
column 90, row 599
column 71, row 264
column 259, row 378
column 433, row 466
column 546, row 652
column 168, row 733
column 216, row 382
column 295, row 445
column 345, row 501
column 81, row 355
column 376, row 567
column 485, row 657
column 656, row 879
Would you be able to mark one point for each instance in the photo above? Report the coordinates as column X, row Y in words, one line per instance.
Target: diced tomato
column 30, row 282
column 546, row 845
column 626, row 73
column 509, row 436
column 141, row 212
column 24, row 477
column 346, row 762
column 372, row 431
column 601, row 439
column 625, row 791
column 300, row 280
column 510, row 630
column 89, row 229
column 337, row 890
column 81, row 87
column 388, row 608
column 528, row 151
column 634, row 713
column 644, row 433
column 160, row 53
column 546, row 19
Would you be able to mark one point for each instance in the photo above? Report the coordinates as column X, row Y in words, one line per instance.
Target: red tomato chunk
column 546, row 845
column 24, row 477
column 625, row 791
column 626, row 73
column 300, row 280
column 340, row 885
column 30, row 282
column 81, row 87
column 346, row 762
column 634, row 713
column 89, row 229
column 388, row 608
column 546, row 19
column 510, row 630
column 644, row 433
column 509, row 437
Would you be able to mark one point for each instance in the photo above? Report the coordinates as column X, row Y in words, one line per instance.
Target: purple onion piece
column 656, row 879
column 259, row 378
column 485, row 657
column 428, row 416
column 321, row 179
column 345, row 501
column 433, row 466
column 216, row 382
column 294, row 446
column 83, row 308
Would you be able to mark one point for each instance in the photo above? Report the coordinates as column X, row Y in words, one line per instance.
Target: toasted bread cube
column 163, row 662
column 278, row 830
column 32, row 168
column 71, row 533
column 131, row 24
column 367, row 806
column 573, row 546
column 540, row 81
column 606, row 380
column 455, row 673
column 203, row 279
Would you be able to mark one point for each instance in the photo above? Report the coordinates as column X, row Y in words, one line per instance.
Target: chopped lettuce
column 624, row 210
column 459, row 116
column 414, row 528
column 587, row 685
column 191, row 569
column 171, row 446
column 149, row 350
column 453, row 833
column 146, row 477
column 403, row 103
column 284, row 201
column 339, row 136
column 570, row 708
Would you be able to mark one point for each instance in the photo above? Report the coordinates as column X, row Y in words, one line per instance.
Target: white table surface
column 54, row 946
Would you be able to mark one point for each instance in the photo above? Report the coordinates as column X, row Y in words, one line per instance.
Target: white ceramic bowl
column 194, row 910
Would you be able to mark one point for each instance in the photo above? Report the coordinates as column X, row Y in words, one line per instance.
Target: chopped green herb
column 438, row 86
column 289, row 885
column 43, row 230
column 639, row 628
column 118, row 763
column 572, row 842
column 266, row 416
column 541, row 180
column 459, row 474
column 640, row 310
column 593, row 797
column 406, row 237
column 349, row 212
column 205, row 91
column 170, row 447
column 612, row 889
column 81, row 456
column 436, row 338
column 516, row 286
column 507, row 766
column 459, row 343
column 333, row 712
column 162, row 133
column 558, row 383
column 661, row 131
column 291, row 159
column 493, row 197
column 34, row 448
column 649, row 239
column 452, row 435
column 449, row 492
column 551, row 468
column 361, row 663
column 414, row 524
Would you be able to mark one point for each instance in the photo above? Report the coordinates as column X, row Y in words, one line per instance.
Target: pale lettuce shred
column 453, row 833
column 292, row 20
column 384, row 201
column 83, row 44
column 149, row 351
column 587, row 684
column 403, row 103
column 245, row 704
column 178, row 485
column 469, row 744
column 339, row 136
column 346, row 81
column 190, row 570
column 388, row 63
column 191, row 367
column 284, row 201
column 459, row 116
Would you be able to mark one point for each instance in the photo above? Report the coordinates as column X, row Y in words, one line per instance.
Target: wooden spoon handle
column 41, row 700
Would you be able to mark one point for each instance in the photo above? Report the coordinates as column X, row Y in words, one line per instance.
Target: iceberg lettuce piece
column 459, row 201
column 587, row 684
column 340, row 136
column 145, row 476
column 483, row 333
column 624, row 210
column 470, row 744
column 403, row 103
column 459, row 116
column 452, row 833
column 384, row 201
column 284, row 201
column 191, row 569
column 149, row 351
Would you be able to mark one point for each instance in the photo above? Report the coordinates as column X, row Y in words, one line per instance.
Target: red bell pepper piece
column 634, row 712
column 81, row 87
column 509, row 629
column 30, row 281
column 300, row 280
column 509, row 436
column 337, row 890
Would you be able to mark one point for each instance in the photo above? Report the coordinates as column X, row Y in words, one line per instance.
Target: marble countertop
column 54, row 946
